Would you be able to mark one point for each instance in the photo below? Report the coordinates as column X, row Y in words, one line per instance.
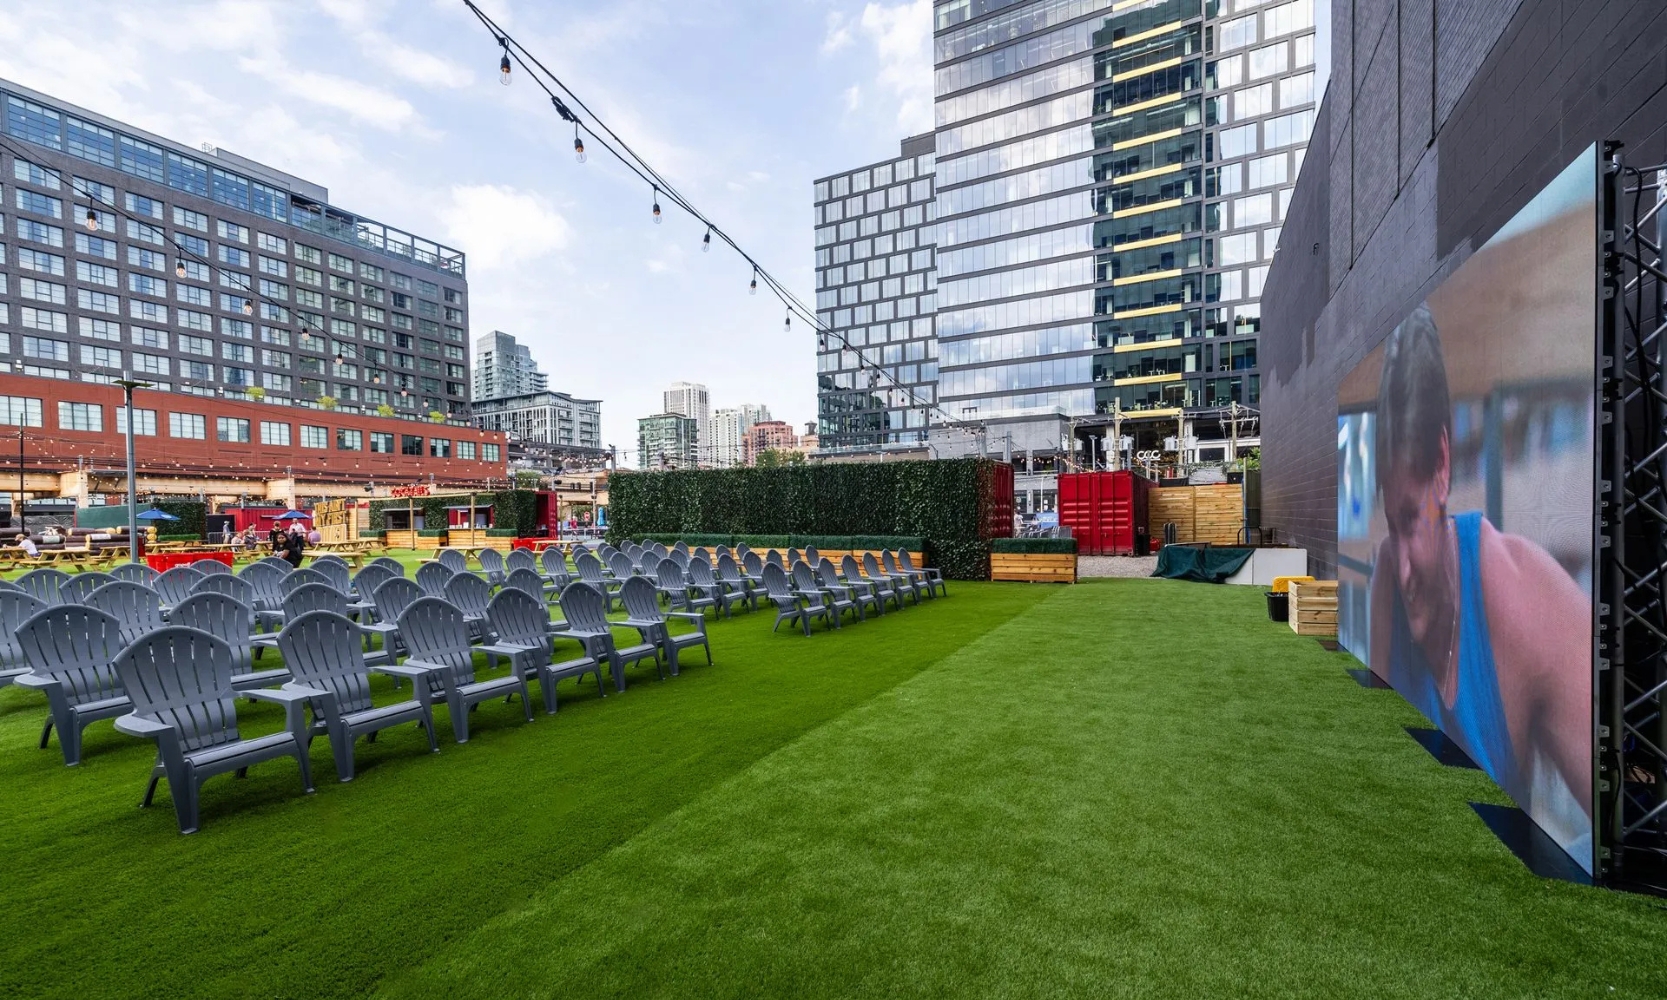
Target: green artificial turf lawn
column 1125, row 788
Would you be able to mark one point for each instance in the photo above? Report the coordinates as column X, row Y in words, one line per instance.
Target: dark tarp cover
column 1207, row 564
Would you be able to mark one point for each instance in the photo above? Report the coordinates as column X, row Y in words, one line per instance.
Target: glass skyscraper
column 1110, row 178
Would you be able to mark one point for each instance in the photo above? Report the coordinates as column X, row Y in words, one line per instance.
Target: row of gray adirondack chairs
column 170, row 666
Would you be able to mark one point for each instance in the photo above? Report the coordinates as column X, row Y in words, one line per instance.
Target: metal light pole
column 22, row 517
column 128, row 385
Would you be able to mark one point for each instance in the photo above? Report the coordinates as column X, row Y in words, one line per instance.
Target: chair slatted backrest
column 622, row 566
column 321, row 650
column 585, row 608
column 433, row 577
column 753, row 562
column 434, row 632
column 209, row 567
column 728, row 572
column 723, row 550
column 469, row 593
column 368, row 579
column 904, row 561
column 641, row 599
column 314, row 597
column 590, row 569
column 700, row 573
column 804, row 581
column 492, row 561
column 74, row 645
column 527, row 581
column 134, row 572
column 849, row 569
column 391, row 563
column 335, row 572
column 330, row 557
column 76, row 588
column 872, row 568
column 42, row 584
column 8, row 585
column 267, row 583
column 224, row 617
column 278, row 563
column 680, row 558
column 681, row 546
column 136, row 606
column 671, row 576
column 519, row 619
column 305, row 577
column 826, row 573
column 658, row 549
column 554, row 563
column 454, row 560
column 793, row 557
column 394, row 596
column 774, row 559
column 16, row 607
column 776, row 585
column 890, row 563
column 811, row 555
column 741, row 550
column 182, row 677
column 236, row 588
column 175, row 585
column 520, row 559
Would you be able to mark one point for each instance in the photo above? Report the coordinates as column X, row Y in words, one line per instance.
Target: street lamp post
column 128, row 385
column 22, row 506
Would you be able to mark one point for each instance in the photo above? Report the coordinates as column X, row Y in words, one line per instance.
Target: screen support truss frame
column 1630, row 610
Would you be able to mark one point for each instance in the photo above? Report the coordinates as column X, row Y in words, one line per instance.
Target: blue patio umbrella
column 156, row 515
column 293, row 515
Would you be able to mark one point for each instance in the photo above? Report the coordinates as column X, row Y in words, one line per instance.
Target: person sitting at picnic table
column 28, row 545
column 294, row 546
column 276, row 538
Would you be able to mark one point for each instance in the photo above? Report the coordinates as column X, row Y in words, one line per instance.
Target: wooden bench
column 1034, row 567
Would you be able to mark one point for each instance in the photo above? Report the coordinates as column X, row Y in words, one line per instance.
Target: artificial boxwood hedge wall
column 827, row 543
column 1035, row 546
column 951, row 503
column 514, row 511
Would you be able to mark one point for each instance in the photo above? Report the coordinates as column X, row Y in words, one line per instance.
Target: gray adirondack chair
column 643, row 613
column 368, row 579
column 740, row 588
column 790, row 606
column 134, row 572
column 492, row 561
column 554, row 565
column 587, row 620
column 930, row 576
column 793, row 559
column 844, row 593
column 705, row 587
column 741, row 551
column 16, row 607
column 433, row 577
column 137, row 607
column 438, row 639
column 675, row 586
column 268, row 584
column 470, row 594
column 752, row 568
column 230, row 621
column 590, row 573
column 281, row 565
column 681, row 558
column 899, row 585
column 209, row 567
column 76, row 588
column 811, row 555
column 304, row 577
column 455, row 560
column 322, row 650
column 773, row 558
column 69, row 649
column 520, row 624
column 520, row 559
column 175, row 585
column 313, row 597
column 390, row 562
column 42, row 584
column 916, row 581
column 392, row 598
column 528, row 582
column 8, row 585
column 818, row 599
column 180, row 681
column 335, row 571
column 863, row 588
column 234, row 587
column 621, row 566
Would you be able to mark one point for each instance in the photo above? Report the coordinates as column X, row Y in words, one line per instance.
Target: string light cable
column 604, row 136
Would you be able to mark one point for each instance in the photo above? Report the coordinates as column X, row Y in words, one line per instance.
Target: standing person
column 294, row 546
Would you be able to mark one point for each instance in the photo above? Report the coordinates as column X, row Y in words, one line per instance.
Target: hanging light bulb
column 179, row 267
column 338, row 358
column 248, row 307
column 706, row 241
column 578, row 144
column 657, row 215
column 503, row 68
column 787, row 324
column 92, row 220
column 753, row 288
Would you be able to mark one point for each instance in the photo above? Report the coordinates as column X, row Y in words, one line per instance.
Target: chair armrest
column 639, row 623
column 446, row 676
column 289, row 694
column 399, row 670
column 507, row 648
column 36, row 682
column 138, row 725
column 686, row 615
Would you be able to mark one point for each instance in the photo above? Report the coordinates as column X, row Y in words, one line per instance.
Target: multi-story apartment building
column 728, row 446
column 553, row 418
column 769, row 435
column 667, row 441
column 692, row 400
column 1110, row 179
column 205, row 273
column 877, row 369
column 505, row 368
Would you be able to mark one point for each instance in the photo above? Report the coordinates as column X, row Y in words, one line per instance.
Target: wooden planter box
column 1034, row 567
column 409, row 540
column 1313, row 609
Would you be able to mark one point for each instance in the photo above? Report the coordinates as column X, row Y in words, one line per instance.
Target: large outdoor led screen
column 1465, row 503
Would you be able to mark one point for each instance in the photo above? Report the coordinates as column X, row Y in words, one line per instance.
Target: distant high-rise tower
column 505, row 368
column 692, row 400
column 729, row 433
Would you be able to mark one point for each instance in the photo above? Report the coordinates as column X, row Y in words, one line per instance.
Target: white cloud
column 853, row 98
column 498, row 226
column 839, row 33
column 902, row 39
column 371, row 105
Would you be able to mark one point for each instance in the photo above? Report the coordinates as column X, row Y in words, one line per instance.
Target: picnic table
column 76, row 558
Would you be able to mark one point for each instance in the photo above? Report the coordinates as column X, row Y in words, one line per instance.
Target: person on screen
column 1482, row 631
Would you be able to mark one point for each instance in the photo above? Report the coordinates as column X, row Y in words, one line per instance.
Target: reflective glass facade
column 1110, row 181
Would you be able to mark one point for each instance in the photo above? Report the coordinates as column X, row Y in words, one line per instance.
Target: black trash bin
column 1279, row 607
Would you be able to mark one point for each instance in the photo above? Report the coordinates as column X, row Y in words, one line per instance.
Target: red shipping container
column 1106, row 511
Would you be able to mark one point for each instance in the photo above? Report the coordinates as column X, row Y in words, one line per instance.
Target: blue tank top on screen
column 1476, row 720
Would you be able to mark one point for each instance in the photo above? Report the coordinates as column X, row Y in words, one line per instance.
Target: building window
column 40, row 204
column 144, row 422
column 46, row 350
column 20, row 410
column 340, row 263
column 187, row 425
column 381, row 443
column 231, row 430
column 190, row 220
column 489, row 452
column 274, row 433
column 80, row 417
column 409, row 444
column 315, row 437
column 349, row 440
column 439, row 448
column 466, row 450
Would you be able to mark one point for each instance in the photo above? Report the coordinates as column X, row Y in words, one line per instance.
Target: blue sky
column 396, row 108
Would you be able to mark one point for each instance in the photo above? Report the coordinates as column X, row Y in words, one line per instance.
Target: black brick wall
column 1442, row 118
